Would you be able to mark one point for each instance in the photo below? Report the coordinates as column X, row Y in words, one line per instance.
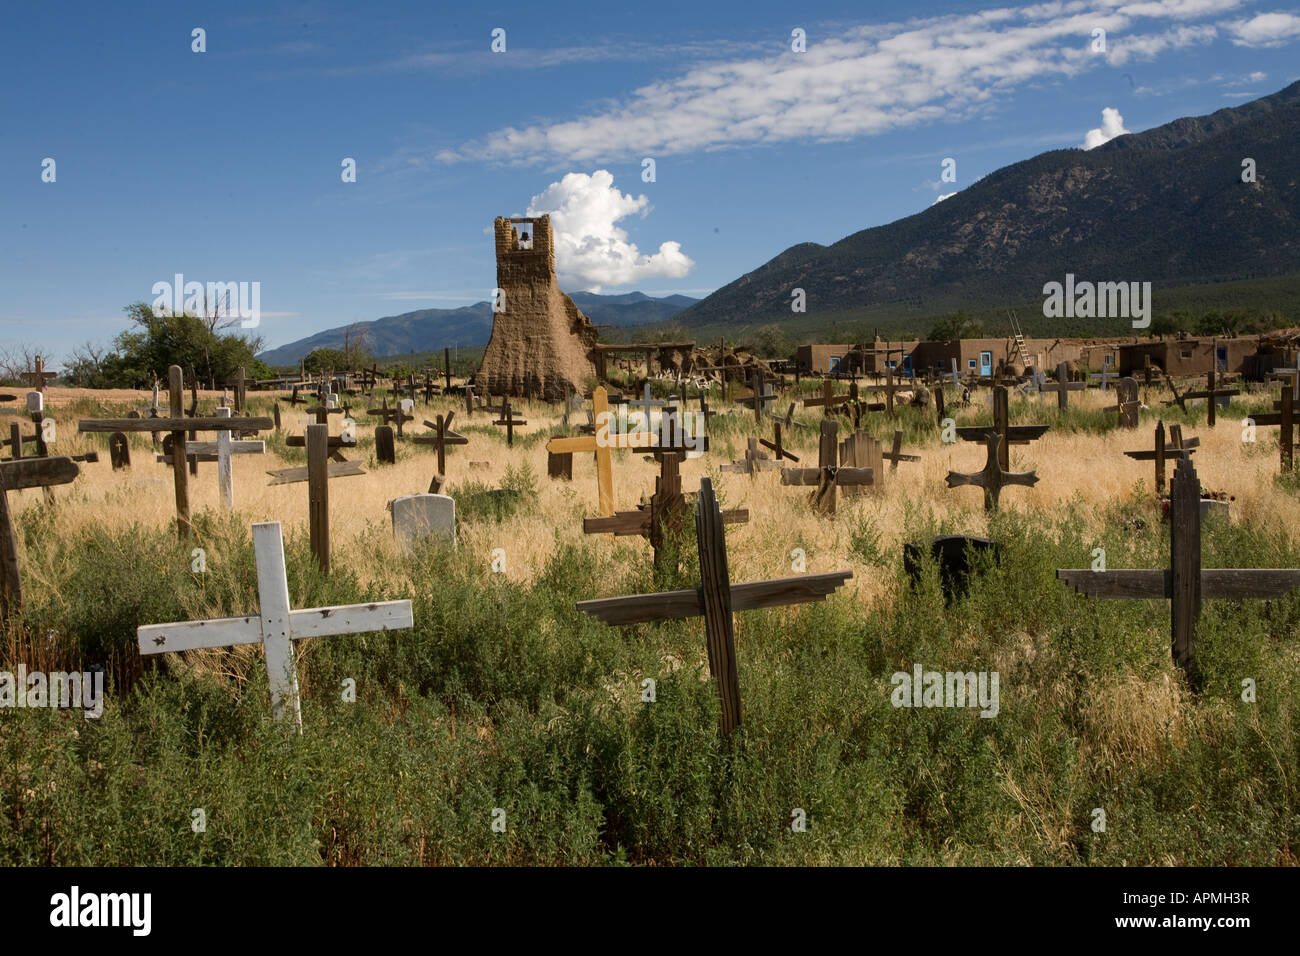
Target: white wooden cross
column 220, row 452
column 1105, row 373
column 276, row 626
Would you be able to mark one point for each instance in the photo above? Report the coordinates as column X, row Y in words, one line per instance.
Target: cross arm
column 1120, row 583
column 670, row 605
column 174, row 424
column 36, row 473
column 310, row 622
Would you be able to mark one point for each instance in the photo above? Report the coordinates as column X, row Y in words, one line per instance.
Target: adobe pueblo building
column 541, row 345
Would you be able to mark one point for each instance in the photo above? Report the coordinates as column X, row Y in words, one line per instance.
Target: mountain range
column 427, row 330
column 1168, row 205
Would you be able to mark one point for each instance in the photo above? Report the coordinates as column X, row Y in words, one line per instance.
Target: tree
column 958, row 325
column 771, row 341
column 324, row 360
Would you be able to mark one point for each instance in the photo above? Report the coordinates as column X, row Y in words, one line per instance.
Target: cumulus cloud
column 1112, row 125
column 1266, row 29
column 591, row 251
column 862, row 81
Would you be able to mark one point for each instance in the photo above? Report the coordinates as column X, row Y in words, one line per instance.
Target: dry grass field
column 1093, row 712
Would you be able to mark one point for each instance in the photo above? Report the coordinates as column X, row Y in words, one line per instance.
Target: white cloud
column 1266, row 29
column 942, row 197
column 864, row 80
column 1112, row 125
column 591, row 251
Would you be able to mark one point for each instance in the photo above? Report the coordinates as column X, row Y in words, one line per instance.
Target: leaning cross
column 276, row 625
column 828, row 475
column 994, row 476
column 753, row 462
column 1184, row 583
column 895, row 454
column 716, row 599
column 1062, row 387
column 178, row 425
column 16, row 475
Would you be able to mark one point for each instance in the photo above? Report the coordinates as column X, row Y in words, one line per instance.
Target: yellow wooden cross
column 601, row 443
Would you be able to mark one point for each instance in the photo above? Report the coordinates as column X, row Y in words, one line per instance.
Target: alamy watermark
column 242, row 300
column 58, row 689
column 923, row 688
column 1098, row 300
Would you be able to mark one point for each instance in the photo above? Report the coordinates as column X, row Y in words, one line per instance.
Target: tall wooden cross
column 1210, row 393
column 317, row 474
column 594, row 443
column 1127, row 405
column 828, row 475
column 276, row 625
column 510, row 422
column 1176, row 447
column 219, row 451
column 440, row 439
column 716, row 599
column 1062, row 386
column 1184, row 584
column 38, row 376
column 994, row 475
column 954, row 375
column 14, row 476
column 1008, row 433
column 762, row 396
column 1285, row 419
column 178, row 425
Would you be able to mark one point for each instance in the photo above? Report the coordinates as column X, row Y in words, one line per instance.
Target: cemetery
column 524, row 631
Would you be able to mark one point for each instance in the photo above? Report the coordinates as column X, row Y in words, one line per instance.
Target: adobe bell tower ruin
column 541, row 342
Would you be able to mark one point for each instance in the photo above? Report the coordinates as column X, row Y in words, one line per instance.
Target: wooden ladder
column 1020, row 341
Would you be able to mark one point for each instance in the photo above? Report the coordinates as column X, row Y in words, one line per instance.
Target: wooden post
column 225, row 467
column 176, row 410
column 16, row 475
column 446, row 367
column 715, row 593
column 1160, row 456
column 318, row 493
column 1185, row 563
column 385, row 449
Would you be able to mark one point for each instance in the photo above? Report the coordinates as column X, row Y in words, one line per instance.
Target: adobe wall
column 541, row 342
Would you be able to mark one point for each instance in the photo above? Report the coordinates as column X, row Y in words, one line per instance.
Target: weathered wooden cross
column 829, row 400
column 828, row 475
column 1176, row 447
column 1105, row 375
column 1285, row 418
column 716, row 599
column 1184, row 584
column 762, row 396
column 14, row 476
column 276, row 625
column 1008, row 433
column 442, row 437
column 510, row 422
column 665, row 514
column 889, row 388
column 38, row 376
column 391, row 416
column 1062, row 386
column 1210, row 393
column 753, row 462
column 594, row 443
column 994, row 475
column 317, row 474
column 1127, row 404
column 895, row 454
column 178, row 425
column 776, row 446
column 219, row 451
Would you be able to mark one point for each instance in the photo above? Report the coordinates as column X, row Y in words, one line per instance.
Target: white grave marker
column 420, row 516
column 277, row 626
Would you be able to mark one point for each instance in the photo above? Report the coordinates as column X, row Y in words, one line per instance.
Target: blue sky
column 225, row 165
